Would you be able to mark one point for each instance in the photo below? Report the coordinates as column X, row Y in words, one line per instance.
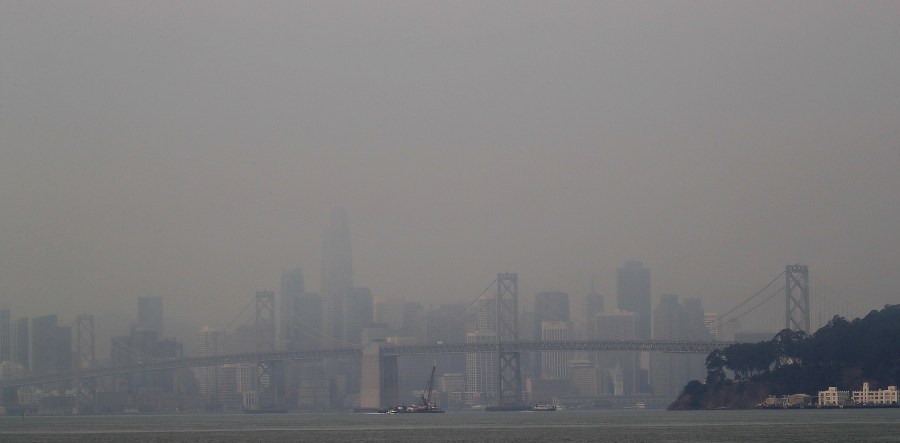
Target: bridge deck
column 398, row 350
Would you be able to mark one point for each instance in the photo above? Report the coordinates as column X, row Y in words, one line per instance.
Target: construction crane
column 426, row 394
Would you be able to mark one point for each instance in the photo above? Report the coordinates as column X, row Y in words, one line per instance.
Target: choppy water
column 561, row 426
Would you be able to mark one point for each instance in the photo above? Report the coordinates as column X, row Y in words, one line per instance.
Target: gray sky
column 194, row 149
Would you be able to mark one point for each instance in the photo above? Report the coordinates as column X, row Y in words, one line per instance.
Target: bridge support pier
column 380, row 388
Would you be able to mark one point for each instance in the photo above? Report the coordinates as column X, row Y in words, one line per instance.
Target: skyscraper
column 19, row 340
column 358, row 313
column 620, row 367
column 211, row 343
column 593, row 305
column 481, row 370
column 633, row 295
column 5, row 334
column 288, row 325
column 549, row 306
column 337, row 274
column 669, row 372
column 150, row 315
column 51, row 346
column 554, row 364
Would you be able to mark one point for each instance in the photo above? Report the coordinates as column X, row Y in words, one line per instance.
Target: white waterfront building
column 868, row 396
column 865, row 397
column 833, row 397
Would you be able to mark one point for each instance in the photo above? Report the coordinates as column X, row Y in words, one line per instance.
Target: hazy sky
column 194, row 150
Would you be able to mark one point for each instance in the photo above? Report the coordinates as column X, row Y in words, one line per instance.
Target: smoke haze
column 195, row 150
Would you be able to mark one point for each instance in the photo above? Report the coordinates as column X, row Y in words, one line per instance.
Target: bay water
column 559, row 426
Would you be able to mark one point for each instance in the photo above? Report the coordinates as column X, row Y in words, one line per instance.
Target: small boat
column 543, row 407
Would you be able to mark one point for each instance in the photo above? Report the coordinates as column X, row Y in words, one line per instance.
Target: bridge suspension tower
column 84, row 359
column 796, row 291
column 264, row 323
column 509, row 381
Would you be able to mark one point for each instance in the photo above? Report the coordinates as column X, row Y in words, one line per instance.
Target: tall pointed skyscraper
column 337, row 276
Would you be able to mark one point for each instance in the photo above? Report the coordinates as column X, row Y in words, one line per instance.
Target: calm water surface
column 561, row 426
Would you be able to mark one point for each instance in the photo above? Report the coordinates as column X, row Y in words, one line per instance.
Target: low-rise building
column 833, row 398
column 867, row 396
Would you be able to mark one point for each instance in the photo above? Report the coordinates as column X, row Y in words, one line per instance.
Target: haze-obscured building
column 554, row 364
column 337, row 275
column 619, row 368
column 211, row 344
column 5, row 335
column 289, row 326
column 669, row 372
column 20, row 351
column 51, row 346
column 150, row 314
column 633, row 295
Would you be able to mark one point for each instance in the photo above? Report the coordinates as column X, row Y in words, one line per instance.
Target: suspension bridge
column 379, row 359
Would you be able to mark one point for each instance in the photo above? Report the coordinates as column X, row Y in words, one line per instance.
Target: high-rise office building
column 486, row 315
column 633, row 295
column 289, row 326
column 51, row 345
column 593, row 305
column 5, row 335
column 389, row 314
column 620, row 368
column 358, row 313
column 337, row 274
column 695, row 328
column 308, row 322
column 150, row 314
column 211, row 343
column 552, row 306
column 446, row 324
column 481, row 370
column 669, row 372
column 554, row 364
column 20, row 351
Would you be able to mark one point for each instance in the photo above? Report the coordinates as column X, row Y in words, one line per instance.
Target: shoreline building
column 878, row 397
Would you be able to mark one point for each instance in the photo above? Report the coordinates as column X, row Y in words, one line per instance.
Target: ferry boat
column 543, row 407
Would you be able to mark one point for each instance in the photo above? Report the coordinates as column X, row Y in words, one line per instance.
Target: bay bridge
column 379, row 359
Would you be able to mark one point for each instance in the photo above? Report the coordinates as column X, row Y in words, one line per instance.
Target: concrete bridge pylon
column 380, row 374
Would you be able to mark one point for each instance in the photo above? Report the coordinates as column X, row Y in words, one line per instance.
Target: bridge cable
column 722, row 316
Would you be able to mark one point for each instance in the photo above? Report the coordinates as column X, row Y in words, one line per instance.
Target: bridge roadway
column 385, row 350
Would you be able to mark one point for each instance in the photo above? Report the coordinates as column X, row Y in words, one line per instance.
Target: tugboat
column 425, row 406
